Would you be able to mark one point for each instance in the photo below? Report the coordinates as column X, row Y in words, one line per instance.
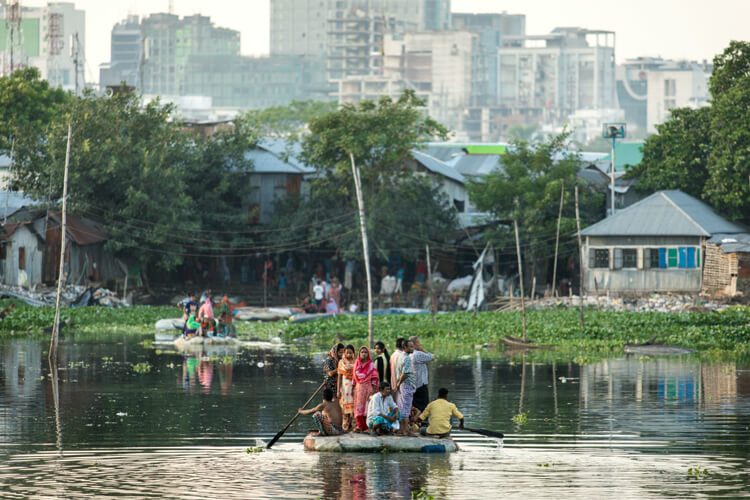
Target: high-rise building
column 51, row 38
column 168, row 44
column 299, row 27
column 127, row 55
column 437, row 15
column 553, row 75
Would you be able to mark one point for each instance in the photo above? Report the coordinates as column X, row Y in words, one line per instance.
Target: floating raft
column 198, row 341
column 657, row 350
column 364, row 443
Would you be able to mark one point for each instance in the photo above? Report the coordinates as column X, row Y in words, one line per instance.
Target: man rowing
column 327, row 415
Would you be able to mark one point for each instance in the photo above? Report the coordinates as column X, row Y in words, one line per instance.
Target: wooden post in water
column 520, row 274
column 56, row 325
column 430, row 293
column 365, row 250
column 580, row 253
column 557, row 241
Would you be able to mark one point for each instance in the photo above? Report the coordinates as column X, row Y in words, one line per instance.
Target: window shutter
column 618, row 258
column 592, row 260
column 646, row 258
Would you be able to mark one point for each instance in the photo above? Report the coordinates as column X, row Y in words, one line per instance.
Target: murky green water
column 626, row 428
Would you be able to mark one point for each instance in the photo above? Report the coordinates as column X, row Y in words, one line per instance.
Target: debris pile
column 72, row 295
column 652, row 303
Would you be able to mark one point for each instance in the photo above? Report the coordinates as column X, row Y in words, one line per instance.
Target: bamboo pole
column 10, row 177
column 580, row 254
column 365, row 250
column 557, row 240
column 56, row 325
column 429, row 284
column 520, row 276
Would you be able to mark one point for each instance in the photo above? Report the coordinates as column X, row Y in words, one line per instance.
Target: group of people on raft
column 200, row 320
column 359, row 390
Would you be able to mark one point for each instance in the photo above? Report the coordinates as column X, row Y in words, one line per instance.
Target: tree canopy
column 704, row 152
column 403, row 209
column 534, row 175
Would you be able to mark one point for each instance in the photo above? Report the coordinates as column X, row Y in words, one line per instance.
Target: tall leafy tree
column 403, row 209
column 728, row 186
column 27, row 105
column 533, row 175
column 676, row 157
column 128, row 167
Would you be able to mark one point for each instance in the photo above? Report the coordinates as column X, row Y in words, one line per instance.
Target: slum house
column 654, row 245
column 726, row 270
column 30, row 251
column 277, row 173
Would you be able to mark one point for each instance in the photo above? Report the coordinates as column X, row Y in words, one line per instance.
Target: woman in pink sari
column 365, row 385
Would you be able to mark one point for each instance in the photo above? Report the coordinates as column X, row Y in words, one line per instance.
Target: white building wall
column 674, row 88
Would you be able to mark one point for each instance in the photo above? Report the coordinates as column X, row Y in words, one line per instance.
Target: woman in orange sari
column 365, row 385
column 346, row 388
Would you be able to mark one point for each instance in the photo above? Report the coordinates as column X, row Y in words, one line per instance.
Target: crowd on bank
column 385, row 395
column 201, row 320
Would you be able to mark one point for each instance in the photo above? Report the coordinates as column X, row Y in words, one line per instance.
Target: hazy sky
column 679, row 29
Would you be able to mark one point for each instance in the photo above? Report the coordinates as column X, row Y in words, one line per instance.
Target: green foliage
column 28, row 106
column 697, row 472
column 677, row 156
column 403, row 209
column 728, row 186
column 285, row 120
column 254, row 449
column 704, row 152
column 421, row 495
column 534, row 175
column 524, row 133
column 454, row 335
column 142, row 368
column 520, row 419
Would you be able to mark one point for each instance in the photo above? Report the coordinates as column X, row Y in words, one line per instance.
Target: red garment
column 362, row 422
column 366, row 384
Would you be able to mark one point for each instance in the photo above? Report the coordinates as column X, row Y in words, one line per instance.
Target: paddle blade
column 275, row 438
column 485, row 432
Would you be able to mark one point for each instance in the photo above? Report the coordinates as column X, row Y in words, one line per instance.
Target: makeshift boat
column 170, row 324
column 181, row 341
column 520, row 344
column 260, row 314
column 365, row 443
column 653, row 347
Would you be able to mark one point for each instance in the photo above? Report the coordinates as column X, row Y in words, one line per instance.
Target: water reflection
column 602, row 425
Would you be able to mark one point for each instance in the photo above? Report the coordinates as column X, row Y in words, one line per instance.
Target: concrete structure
column 51, row 38
column 437, row 15
column 551, row 76
column 299, row 28
column 126, row 55
column 675, row 85
column 444, row 68
column 655, row 245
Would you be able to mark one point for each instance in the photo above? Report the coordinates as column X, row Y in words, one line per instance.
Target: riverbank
column 719, row 334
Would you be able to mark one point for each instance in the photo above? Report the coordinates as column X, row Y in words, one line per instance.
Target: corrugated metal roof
column 665, row 213
column 83, row 231
column 276, row 156
column 438, row 167
column 732, row 243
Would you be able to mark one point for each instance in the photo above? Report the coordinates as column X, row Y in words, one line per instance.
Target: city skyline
column 693, row 32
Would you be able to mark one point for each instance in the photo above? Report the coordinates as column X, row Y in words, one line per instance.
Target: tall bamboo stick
column 365, row 250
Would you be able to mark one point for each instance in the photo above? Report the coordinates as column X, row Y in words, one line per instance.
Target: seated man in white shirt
column 382, row 411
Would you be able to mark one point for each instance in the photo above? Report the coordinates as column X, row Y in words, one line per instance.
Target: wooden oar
column 483, row 432
column 282, row 431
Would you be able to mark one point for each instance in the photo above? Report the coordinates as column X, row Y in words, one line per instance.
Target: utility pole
column 613, row 131
column 365, row 249
column 60, row 275
column 10, row 177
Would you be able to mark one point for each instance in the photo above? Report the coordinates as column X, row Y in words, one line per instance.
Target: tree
column 404, row 210
column 27, row 105
column 728, row 185
column 128, row 167
column 285, row 120
column 676, row 157
column 534, row 175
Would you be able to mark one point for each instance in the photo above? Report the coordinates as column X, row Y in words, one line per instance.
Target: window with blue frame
column 672, row 258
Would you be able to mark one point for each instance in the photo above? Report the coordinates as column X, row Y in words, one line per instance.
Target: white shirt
column 318, row 291
column 381, row 406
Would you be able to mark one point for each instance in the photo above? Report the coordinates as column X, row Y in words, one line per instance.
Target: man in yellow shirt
column 439, row 413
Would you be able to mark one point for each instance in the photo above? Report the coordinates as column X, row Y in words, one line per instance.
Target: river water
column 630, row 428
